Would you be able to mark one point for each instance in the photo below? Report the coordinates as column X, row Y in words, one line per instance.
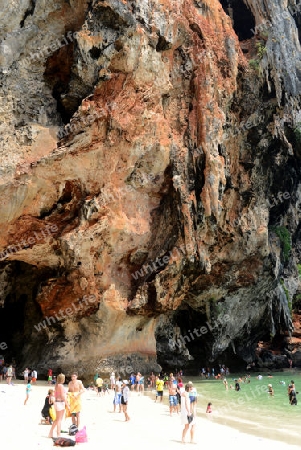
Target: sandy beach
column 150, row 427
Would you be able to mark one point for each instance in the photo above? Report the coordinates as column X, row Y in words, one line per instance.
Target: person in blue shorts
column 173, row 399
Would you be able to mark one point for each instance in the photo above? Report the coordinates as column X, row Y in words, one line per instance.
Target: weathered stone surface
column 149, row 182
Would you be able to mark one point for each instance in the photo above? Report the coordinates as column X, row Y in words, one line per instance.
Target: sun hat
column 125, row 382
column 269, row 385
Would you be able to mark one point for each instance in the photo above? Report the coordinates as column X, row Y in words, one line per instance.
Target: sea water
column 252, row 410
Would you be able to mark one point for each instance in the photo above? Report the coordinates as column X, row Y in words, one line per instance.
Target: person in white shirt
column 112, row 380
column 34, row 376
column 9, row 374
column 25, row 374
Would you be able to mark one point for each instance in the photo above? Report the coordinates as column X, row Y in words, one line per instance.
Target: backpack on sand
column 63, row 442
column 72, row 430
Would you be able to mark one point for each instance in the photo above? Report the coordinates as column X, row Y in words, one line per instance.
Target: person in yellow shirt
column 159, row 388
column 99, row 384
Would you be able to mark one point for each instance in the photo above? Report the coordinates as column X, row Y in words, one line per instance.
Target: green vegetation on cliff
column 285, row 239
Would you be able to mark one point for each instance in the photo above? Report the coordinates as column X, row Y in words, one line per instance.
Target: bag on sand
column 73, row 430
column 63, row 442
column 81, row 435
column 52, row 413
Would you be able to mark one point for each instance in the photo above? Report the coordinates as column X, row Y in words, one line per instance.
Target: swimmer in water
column 270, row 389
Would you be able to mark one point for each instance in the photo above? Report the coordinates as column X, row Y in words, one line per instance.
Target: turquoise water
column 252, row 409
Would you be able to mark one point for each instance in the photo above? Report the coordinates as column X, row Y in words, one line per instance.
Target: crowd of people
column 182, row 397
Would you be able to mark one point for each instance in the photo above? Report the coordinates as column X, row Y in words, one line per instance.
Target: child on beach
column 49, row 401
column 209, row 409
column 28, row 390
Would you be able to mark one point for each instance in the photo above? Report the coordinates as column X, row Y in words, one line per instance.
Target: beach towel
column 74, row 400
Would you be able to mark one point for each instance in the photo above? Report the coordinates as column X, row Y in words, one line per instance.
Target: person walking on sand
column 9, row 374
column 28, row 391
column 173, row 400
column 193, row 398
column 112, row 381
column 117, row 396
column 25, row 375
column 60, row 400
column 124, row 399
column 75, row 390
column 159, row 388
column 99, row 384
column 187, row 418
column 49, row 376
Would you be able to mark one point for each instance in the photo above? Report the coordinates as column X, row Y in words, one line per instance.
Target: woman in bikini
column 59, row 404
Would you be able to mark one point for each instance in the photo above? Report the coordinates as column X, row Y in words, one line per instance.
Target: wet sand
column 150, row 427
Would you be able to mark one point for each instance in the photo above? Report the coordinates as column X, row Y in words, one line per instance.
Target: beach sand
column 150, row 427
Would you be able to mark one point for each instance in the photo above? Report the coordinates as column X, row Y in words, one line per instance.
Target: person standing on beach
column 173, row 400
column 25, row 375
column 140, row 385
column 99, row 384
column 75, row 390
column 187, row 418
column 34, row 376
column 124, row 399
column 112, row 380
column 159, row 388
column 49, row 376
column 59, row 405
column 28, row 391
column 117, row 396
column 193, row 398
column 9, row 374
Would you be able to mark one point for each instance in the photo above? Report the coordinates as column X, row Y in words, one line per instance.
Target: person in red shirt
column 49, row 376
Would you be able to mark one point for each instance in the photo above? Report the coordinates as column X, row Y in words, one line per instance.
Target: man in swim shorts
column 75, row 390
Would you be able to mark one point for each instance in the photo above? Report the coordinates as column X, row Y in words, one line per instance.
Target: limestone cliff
column 150, row 165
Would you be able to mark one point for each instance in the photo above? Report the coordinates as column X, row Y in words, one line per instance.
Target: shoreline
column 150, row 424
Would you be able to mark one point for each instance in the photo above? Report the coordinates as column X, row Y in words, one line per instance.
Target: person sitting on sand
column 49, row 401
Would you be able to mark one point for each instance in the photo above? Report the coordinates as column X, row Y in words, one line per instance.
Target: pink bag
column 81, row 435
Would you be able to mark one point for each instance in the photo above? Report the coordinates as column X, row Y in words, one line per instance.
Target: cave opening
column 20, row 311
column 242, row 18
column 191, row 348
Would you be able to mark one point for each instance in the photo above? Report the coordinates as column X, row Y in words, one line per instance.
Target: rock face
column 150, row 166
